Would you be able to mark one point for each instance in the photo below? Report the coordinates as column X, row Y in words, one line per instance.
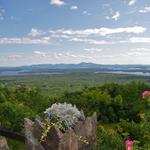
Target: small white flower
column 65, row 114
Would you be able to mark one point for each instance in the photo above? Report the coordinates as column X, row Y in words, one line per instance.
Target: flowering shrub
column 129, row 145
column 64, row 114
column 145, row 94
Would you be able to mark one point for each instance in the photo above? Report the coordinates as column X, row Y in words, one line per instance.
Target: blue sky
column 74, row 31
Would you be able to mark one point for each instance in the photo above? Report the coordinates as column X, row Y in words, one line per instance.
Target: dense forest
column 121, row 110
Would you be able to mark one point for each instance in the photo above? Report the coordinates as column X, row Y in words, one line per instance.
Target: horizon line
column 69, row 64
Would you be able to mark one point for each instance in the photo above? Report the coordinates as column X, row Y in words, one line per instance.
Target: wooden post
column 7, row 132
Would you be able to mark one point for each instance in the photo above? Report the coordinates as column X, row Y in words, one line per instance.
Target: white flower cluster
column 65, row 114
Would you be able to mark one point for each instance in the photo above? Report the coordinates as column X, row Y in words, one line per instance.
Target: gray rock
column 3, row 143
column 69, row 141
column 38, row 127
column 53, row 139
column 87, row 130
column 31, row 142
column 72, row 139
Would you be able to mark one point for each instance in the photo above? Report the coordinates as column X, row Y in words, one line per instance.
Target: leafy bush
column 112, row 102
column 108, row 139
column 12, row 115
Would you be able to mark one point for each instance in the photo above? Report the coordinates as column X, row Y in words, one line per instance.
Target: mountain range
column 64, row 68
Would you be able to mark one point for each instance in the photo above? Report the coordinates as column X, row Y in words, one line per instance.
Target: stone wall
column 81, row 137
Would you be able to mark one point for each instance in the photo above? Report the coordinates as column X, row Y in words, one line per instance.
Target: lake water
column 15, row 73
column 126, row 72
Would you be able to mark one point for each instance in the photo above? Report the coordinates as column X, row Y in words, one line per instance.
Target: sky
column 74, row 31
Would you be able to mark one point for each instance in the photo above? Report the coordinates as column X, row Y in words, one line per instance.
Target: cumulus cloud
column 74, row 8
column 68, row 54
column 145, row 10
column 91, row 41
column 139, row 40
column 132, row 2
column 43, row 54
column 104, row 42
column 93, row 49
column 24, row 41
column 116, row 16
column 35, row 32
column 98, row 31
column 57, row 2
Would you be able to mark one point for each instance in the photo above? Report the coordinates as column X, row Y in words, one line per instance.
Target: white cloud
column 116, row 16
column 98, row 31
column 14, row 57
column 25, row 41
column 145, row 10
column 85, row 12
column 107, row 17
column 140, row 52
column 55, row 35
column 68, row 54
column 142, row 49
column 57, row 2
column 104, row 42
column 134, row 53
column 131, row 2
column 91, row 41
column 74, row 8
column 43, row 54
column 59, row 55
column 2, row 12
column 93, row 49
column 35, row 32
column 71, row 55
column 139, row 40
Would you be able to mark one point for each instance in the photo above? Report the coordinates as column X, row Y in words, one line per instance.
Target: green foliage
column 118, row 106
column 110, row 107
column 15, row 145
column 2, row 97
column 145, row 125
column 118, row 100
column 55, row 85
column 18, row 103
column 32, row 98
column 133, row 130
column 12, row 115
column 108, row 138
